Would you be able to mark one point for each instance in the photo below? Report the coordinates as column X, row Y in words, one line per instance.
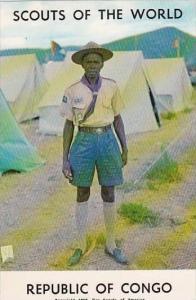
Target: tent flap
column 16, row 153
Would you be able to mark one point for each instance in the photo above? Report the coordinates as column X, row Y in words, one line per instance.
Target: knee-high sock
column 81, row 223
column 109, row 209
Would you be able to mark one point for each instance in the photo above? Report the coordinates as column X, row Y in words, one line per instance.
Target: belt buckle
column 99, row 130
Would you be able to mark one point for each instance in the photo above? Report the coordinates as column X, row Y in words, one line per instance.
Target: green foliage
column 152, row 186
column 165, row 170
column 187, row 110
column 101, row 239
column 193, row 99
column 168, row 116
column 157, row 255
column 137, row 213
column 98, row 239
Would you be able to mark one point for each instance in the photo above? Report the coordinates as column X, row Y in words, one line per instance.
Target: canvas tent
column 51, row 69
column 16, row 153
column 63, row 74
column 170, row 80
column 23, row 84
column 126, row 68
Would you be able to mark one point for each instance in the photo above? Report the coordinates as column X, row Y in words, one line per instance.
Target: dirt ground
column 37, row 208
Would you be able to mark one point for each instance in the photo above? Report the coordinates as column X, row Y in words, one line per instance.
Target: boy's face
column 92, row 64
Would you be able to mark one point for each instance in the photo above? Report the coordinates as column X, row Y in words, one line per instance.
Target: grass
column 150, row 142
column 158, row 254
column 138, row 213
column 193, row 99
column 43, row 221
column 187, row 110
column 95, row 240
column 60, row 262
column 159, row 188
column 168, row 116
column 50, row 150
column 164, row 170
column 11, row 181
column 190, row 157
column 155, row 191
column 50, row 213
column 47, row 218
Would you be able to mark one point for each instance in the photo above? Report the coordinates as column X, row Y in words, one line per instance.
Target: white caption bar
column 99, row 285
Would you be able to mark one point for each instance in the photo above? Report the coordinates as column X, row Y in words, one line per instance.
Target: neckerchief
column 94, row 89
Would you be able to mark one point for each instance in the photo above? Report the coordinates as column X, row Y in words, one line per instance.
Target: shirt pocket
column 79, row 110
column 107, row 99
column 106, row 102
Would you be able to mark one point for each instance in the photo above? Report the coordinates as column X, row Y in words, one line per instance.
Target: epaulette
column 110, row 79
column 74, row 84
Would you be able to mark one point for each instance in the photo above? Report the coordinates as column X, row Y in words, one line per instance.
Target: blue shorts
column 96, row 150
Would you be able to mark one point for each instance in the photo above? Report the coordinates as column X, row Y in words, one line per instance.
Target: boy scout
column 93, row 104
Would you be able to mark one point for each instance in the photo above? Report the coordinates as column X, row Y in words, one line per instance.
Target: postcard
column 97, row 150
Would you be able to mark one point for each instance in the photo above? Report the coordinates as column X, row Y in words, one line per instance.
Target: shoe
column 118, row 255
column 75, row 258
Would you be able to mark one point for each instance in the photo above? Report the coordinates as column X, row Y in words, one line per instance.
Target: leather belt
column 95, row 129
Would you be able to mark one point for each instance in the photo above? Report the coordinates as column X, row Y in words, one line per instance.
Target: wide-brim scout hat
column 91, row 47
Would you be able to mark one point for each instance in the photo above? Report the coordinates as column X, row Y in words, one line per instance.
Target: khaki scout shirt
column 77, row 98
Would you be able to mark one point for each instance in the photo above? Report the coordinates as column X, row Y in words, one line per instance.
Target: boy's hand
column 124, row 156
column 67, row 170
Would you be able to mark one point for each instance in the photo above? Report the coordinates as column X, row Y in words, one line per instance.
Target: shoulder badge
column 65, row 99
column 78, row 100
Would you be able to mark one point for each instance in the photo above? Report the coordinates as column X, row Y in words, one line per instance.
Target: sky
column 23, row 34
